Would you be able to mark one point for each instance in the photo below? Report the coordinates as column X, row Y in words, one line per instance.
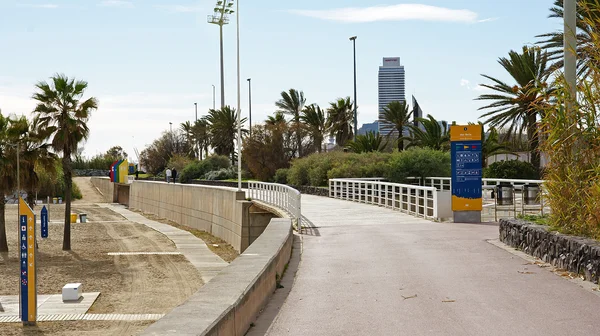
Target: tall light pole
column 196, row 108
column 220, row 18
column 171, row 128
column 570, row 45
column 250, row 103
column 239, row 110
column 353, row 39
column 213, row 96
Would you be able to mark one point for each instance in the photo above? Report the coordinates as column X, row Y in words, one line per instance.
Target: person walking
column 168, row 174
column 174, row 173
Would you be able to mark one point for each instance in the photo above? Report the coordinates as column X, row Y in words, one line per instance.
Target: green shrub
column 281, row 176
column 418, row 162
column 511, row 169
column 221, row 174
column 179, row 162
column 197, row 169
column 53, row 185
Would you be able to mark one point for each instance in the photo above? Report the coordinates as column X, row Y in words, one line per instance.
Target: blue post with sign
column 44, row 222
column 466, row 157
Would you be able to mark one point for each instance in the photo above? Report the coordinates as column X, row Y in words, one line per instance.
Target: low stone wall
column 574, row 254
column 105, row 187
column 231, row 301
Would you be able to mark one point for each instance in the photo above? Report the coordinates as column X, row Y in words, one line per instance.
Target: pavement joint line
column 86, row 317
column 142, row 253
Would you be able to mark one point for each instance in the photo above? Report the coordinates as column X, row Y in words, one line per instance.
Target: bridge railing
column 426, row 202
column 281, row 196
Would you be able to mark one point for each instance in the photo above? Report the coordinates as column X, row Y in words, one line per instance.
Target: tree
column 370, row 142
column 7, row 171
column 116, row 153
column 397, row 115
column 265, row 150
column 491, row 144
column 278, row 118
column 34, row 154
column 518, row 106
column 340, row 118
column 315, row 122
column 588, row 24
column 64, row 115
column 223, row 128
column 433, row 134
column 188, row 133
column 292, row 103
column 156, row 156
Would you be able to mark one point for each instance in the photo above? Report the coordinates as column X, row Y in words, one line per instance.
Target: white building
column 391, row 87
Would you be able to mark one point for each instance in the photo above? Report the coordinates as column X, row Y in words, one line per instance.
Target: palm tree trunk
column 66, row 163
column 400, row 140
column 532, row 136
column 298, row 135
column 3, row 241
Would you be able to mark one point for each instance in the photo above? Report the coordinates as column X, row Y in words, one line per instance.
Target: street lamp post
column 220, row 18
column 353, row 39
column 250, row 103
column 196, row 108
column 171, row 128
column 239, row 110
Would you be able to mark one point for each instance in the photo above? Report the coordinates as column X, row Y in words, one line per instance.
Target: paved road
column 372, row 271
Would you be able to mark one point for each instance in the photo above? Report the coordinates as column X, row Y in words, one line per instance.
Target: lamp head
column 353, row 38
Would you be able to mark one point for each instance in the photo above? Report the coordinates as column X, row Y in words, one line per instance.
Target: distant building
column 366, row 128
column 416, row 111
column 391, row 87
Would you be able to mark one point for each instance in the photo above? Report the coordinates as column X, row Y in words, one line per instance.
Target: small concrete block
column 71, row 292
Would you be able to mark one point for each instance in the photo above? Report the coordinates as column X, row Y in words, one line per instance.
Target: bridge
column 369, row 269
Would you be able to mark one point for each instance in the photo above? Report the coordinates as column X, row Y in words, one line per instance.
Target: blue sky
column 148, row 61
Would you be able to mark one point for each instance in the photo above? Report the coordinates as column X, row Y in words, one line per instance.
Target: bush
column 281, row 176
column 316, row 169
column 53, row 185
column 418, row 162
column 179, row 162
column 197, row 169
column 221, row 174
column 511, row 169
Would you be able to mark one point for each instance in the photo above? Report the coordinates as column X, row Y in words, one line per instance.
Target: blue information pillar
column 467, row 169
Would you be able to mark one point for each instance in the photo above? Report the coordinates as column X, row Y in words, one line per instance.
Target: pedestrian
column 174, row 175
column 168, row 174
column 137, row 174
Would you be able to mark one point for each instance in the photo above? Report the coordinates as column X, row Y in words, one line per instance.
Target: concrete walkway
column 367, row 270
column 193, row 248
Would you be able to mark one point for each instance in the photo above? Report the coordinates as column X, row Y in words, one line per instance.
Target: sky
column 149, row 61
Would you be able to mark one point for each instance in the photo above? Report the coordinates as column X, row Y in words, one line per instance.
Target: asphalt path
column 367, row 270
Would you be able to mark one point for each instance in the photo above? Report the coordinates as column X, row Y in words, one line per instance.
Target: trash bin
column 73, row 218
column 531, row 193
column 504, row 194
column 60, row 200
column 55, row 200
column 82, row 218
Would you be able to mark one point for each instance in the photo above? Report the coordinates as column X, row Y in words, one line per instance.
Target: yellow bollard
column 73, row 218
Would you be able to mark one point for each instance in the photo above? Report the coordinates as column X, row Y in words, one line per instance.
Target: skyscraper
column 416, row 111
column 391, row 87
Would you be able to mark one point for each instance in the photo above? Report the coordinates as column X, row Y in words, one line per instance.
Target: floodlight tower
column 221, row 17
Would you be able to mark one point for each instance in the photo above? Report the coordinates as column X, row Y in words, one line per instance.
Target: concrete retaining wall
column 232, row 300
column 223, row 212
column 106, row 188
column 574, row 254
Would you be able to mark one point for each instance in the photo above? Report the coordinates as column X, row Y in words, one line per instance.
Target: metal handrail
column 413, row 200
column 281, row 196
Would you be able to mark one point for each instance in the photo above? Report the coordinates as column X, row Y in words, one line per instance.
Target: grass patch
column 537, row 219
column 223, row 249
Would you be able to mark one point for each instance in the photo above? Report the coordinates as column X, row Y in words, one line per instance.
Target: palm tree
column 370, row 142
column 340, row 118
column 275, row 120
column 431, row 133
column 314, row 120
column 34, row 154
column 491, row 144
column 6, row 176
column 188, row 133
column 62, row 113
column 201, row 135
column 292, row 103
column 396, row 114
column 223, row 128
column 588, row 25
column 519, row 105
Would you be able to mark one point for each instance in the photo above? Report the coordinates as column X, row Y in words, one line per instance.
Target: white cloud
column 487, row 20
column 46, row 6
column 116, row 3
column 477, row 88
column 179, row 8
column 464, row 82
column 400, row 12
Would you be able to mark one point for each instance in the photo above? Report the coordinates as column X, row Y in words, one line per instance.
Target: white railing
column 281, row 196
column 426, row 202
column 440, row 183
